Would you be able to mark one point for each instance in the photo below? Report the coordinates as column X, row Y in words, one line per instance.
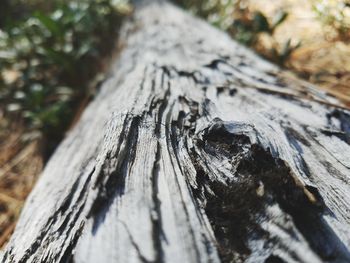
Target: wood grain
column 195, row 150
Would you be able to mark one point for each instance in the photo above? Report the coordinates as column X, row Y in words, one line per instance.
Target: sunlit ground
column 322, row 58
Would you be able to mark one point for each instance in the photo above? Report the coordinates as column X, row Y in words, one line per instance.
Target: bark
column 195, row 150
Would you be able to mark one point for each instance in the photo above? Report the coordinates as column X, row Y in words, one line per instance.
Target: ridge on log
column 195, row 150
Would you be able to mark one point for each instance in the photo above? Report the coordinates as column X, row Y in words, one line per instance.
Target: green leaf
column 58, row 58
column 51, row 25
column 278, row 19
column 261, row 24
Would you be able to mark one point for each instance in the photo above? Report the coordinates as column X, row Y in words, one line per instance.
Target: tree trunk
column 195, row 150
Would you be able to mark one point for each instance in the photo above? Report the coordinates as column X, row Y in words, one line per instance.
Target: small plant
column 247, row 26
column 281, row 55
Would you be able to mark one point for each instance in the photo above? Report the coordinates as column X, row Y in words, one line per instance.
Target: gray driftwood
column 195, row 150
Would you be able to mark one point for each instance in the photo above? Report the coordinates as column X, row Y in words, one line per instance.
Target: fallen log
column 195, row 150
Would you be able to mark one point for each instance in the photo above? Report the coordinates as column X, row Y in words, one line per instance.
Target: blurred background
column 54, row 56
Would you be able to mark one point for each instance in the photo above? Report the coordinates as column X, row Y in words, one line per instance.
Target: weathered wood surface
column 195, row 150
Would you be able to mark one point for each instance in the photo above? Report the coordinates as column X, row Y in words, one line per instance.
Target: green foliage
column 49, row 55
column 334, row 14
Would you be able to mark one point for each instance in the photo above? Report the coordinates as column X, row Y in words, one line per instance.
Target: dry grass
column 20, row 164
